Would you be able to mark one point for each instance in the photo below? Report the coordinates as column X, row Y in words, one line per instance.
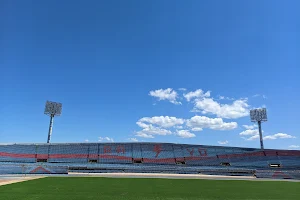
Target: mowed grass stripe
column 81, row 188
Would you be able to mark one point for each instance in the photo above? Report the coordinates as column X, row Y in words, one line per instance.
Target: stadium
column 163, row 100
column 148, row 158
column 46, row 163
column 72, row 170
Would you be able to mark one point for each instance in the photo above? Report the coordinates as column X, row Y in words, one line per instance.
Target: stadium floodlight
column 259, row 115
column 52, row 109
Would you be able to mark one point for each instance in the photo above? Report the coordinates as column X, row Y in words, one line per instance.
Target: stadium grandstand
column 148, row 158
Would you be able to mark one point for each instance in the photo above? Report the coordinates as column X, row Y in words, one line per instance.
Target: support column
column 50, row 128
column 260, row 136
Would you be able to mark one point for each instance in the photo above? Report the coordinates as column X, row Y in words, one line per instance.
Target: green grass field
column 81, row 188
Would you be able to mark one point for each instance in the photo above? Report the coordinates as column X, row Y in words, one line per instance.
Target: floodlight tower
column 52, row 109
column 259, row 115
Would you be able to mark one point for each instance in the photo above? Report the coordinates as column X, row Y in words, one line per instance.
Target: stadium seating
column 115, row 153
column 69, row 153
column 18, row 153
column 136, row 151
column 158, row 153
column 9, row 168
column 93, row 152
column 278, row 174
column 151, row 157
column 42, row 151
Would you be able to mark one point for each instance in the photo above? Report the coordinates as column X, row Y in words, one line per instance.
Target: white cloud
column 250, row 126
column 254, row 137
column 200, row 122
column 149, row 130
column 239, row 108
column 182, row 89
column 254, row 133
column 144, row 135
column 178, row 127
column 133, row 139
column 278, row 136
column 86, row 140
column 185, row 134
column 162, row 121
column 152, row 130
column 250, row 132
column 197, row 129
column 142, row 125
column 260, row 95
column 105, row 139
column 167, row 94
column 157, row 125
column 196, row 94
column 204, row 103
column 294, row 146
column 227, row 98
column 223, row 142
column 161, row 125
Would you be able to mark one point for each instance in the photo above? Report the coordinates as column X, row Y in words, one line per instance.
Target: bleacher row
column 91, row 154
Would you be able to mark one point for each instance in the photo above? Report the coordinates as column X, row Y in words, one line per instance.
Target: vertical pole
column 88, row 155
column 50, row 128
column 98, row 152
column 260, row 136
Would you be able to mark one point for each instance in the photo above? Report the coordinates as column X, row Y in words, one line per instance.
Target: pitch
column 81, row 188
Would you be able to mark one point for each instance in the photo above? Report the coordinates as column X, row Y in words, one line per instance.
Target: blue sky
column 141, row 70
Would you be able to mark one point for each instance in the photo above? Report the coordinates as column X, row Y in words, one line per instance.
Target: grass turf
column 81, row 188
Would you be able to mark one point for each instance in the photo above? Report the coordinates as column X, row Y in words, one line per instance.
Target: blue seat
column 18, row 153
column 154, row 157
